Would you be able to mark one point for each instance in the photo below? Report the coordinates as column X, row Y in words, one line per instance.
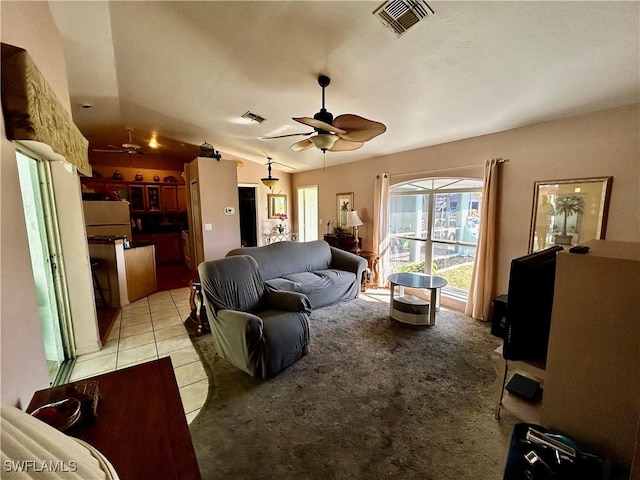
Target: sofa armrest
column 347, row 261
column 239, row 328
column 288, row 301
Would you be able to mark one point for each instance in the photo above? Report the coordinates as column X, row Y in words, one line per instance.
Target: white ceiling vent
column 400, row 15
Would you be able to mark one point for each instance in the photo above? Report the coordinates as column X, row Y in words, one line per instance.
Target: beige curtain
column 381, row 225
column 480, row 293
column 32, row 111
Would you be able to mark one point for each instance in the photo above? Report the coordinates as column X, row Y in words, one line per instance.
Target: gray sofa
column 323, row 273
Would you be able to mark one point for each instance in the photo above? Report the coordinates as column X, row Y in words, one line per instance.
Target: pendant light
column 269, row 181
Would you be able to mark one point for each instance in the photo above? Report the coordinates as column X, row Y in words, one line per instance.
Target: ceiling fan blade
column 343, row 145
column 312, row 122
column 102, row 150
column 358, row 129
column 289, row 135
column 116, row 147
column 301, row 145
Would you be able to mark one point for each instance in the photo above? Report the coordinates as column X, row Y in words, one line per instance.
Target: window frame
column 429, row 239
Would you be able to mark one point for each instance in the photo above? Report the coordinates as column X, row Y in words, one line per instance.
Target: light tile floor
column 148, row 329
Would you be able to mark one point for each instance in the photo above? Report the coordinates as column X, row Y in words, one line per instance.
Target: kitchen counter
column 140, row 244
column 107, row 253
column 127, row 274
column 105, row 239
column 140, row 262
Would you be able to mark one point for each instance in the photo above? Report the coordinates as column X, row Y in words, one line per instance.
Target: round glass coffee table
column 412, row 309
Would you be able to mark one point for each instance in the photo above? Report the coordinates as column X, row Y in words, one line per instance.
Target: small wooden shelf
column 527, row 411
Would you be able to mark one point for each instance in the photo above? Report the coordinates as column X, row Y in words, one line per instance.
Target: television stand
column 527, row 411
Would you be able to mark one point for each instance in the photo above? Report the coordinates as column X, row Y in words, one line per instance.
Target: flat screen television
column 529, row 305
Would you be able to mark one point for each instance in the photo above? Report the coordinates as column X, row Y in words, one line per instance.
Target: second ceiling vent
column 400, row 15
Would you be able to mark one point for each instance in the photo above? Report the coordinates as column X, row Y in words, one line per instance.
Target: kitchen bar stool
column 96, row 264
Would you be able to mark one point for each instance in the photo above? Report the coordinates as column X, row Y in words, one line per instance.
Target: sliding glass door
column 433, row 227
column 42, row 235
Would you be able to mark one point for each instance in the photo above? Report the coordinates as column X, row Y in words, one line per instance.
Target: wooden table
column 141, row 426
column 372, row 261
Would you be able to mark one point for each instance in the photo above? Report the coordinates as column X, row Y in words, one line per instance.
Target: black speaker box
column 499, row 319
column 524, row 387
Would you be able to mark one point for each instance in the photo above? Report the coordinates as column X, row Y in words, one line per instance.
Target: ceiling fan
column 343, row 133
column 130, row 148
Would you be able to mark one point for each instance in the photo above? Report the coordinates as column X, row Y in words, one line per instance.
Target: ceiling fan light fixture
column 324, row 141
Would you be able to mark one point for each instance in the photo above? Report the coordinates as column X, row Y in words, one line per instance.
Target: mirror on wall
column 568, row 212
column 277, row 205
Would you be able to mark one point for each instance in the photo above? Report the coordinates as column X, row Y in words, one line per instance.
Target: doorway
column 248, row 216
column 308, row 213
column 44, row 249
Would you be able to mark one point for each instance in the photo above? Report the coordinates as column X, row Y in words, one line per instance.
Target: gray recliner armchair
column 258, row 329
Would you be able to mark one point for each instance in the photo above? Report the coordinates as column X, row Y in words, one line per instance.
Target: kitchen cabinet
column 182, row 198
column 136, row 198
column 143, row 197
column 153, row 198
column 169, row 198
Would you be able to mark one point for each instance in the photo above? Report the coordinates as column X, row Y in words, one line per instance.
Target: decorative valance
column 33, row 112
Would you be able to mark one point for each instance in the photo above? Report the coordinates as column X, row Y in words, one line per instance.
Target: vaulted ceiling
column 187, row 71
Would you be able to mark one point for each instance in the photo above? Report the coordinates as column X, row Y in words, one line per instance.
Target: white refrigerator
column 107, row 218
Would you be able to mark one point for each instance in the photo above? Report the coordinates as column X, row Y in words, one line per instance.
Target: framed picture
column 569, row 212
column 277, row 205
column 344, row 204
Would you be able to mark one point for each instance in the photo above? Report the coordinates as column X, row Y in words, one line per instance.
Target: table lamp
column 353, row 220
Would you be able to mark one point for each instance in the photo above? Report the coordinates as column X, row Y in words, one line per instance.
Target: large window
column 434, row 229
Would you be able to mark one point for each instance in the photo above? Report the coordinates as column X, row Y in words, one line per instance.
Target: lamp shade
column 270, row 181
column 324, row 141
column 353, row 220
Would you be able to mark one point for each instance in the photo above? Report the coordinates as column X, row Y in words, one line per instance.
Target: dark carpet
column 374, row 399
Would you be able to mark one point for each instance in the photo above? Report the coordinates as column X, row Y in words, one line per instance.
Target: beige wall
column 217, row 187
column 30, row 25
column 598, row 144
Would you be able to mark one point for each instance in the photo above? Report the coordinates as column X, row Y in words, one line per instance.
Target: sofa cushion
column 324, row 287
column 284, row 284
column 283, row 258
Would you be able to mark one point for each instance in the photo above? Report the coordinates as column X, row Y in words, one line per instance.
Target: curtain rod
column 500, row 160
